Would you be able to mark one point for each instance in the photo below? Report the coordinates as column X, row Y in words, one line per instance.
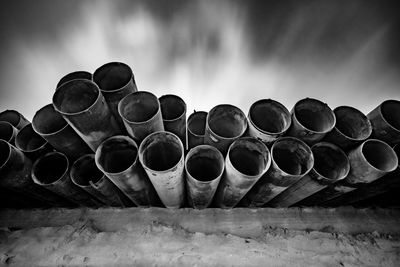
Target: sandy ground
column 166, row 245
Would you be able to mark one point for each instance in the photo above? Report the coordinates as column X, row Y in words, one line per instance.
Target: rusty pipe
column 196, row 127
column 117, row 158
column 311, row 120
column 248, row 159
column 204, row 166
column 50, row 125
column 268, row 120
column 15, row 118
column 74, row 76
column 31, row 143
column 8, row 132
column 141, row 114
column 162, row 156
column 82, row 105
column 291, row 160
column 225, row 123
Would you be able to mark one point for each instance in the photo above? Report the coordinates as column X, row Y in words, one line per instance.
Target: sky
column 207, row 52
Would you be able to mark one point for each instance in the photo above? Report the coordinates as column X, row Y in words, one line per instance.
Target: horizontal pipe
column 8, row 132
column 31, row 143
column 196, row 127
column 74, row 76
column 15, row 118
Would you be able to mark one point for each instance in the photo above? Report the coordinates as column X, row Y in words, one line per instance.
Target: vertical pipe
column 141, row 114
column 50, row 125
column 291, row 160
column 115, row 80
column 330, row 165
column 247, row 160
column 15, row 118
column 196, row 127
column 173, row 111
column 84, row 108
column 117, row 158
column 162, row 156
column 311, row 120
column 204, row 166
column 268, row 120
column 32, row 144
column 352, row 127
column 385, row 120
column 225, row 123
column 74, row 76
column 8, row 132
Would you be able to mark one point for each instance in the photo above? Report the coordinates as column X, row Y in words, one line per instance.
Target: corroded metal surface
column 15, row 118
column 196, row 127
column 31, row 143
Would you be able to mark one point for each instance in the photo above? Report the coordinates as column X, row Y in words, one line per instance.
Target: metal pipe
column 225, row 123
column 162, row 156
column 330, row 165
column 74, row 76
column 352, row 127
column 248, row 159
column 50, row 125
column 51, row 171
column 196, row 127
column 117, row 158
column 15, row 200
column 268, row 120
column 385, row 120
column 83, row 106
column 8, row 132
column 15, row 118
column 32, row 144
column 291, row 160
column 204, row 166
column 141, row 114
column 115, row 80
column 311, row 120
column 173, row 111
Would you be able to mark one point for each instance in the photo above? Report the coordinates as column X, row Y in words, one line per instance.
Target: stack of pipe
column 102, row 142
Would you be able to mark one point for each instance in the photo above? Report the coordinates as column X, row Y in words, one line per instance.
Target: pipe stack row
column 102, row 142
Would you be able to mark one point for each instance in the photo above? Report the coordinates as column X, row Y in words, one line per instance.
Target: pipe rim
column 78, row 75
column 179, row 100
column 125, row 99
column 383, row 117
column 34, row 166
column 359, row 113
column 49, row 106
column 205, row 113
column 387, row 147
column 12, row 130
column 112, row 64
column 22, row 146
column 76, row 166
column 14, row 112
column 5, row 161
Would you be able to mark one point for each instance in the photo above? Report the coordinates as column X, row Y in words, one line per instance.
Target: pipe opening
column 112, row 76
column 314, row 115
column 380, row 155
column 28, row 140
column 5, row 152
column 352, row 123
column 85, row 170
column 330, row 161
column 197, row 123
column 270, row 116
column 205, row 164
column 391, row 113
column 47, row 120
column 172, row 107
column 227, row 121
column 6, row 131
column 50, row 168
column 139, row 107
column 73, row 76
column 10, row 116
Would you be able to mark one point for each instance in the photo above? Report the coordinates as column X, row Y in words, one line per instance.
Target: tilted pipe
column 330, row 165
column 115, row 80
column 162, row 156
column 50, row 125
column 173, row 111
column 268, row 120
column 74, row 76
column 15, row 200
column 385, row 120
column 32, row 144
column 117, row 158
column 15, row 118
column 83, row 106
column 141, row 113
column 8, row 132
column 225, row 123
column 248, row 159
column 352, row 127
column 291, row 160
column 311, row 120
column 204, row 166
column 196, row 127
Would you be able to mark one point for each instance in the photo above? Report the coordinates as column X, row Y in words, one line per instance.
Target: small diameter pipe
column 8, row 132
column 84, row 108
column 15, row 118
column 117, row 158
column 162, row 156
column 141, row 114
column 32, row 144
column 204, row 166
column 268, row 120
column 225, row 123
column 196, row 127
column 330, row 165
column 74, row 76
column 311, row 120
column 247, row 160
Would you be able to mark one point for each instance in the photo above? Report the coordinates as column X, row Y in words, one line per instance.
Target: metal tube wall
column 8, row 132
column 15, row 118
column 74, row 76
column 196, row 127
column 32, row 144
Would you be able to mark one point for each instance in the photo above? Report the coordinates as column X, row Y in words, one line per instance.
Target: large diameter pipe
column 117, row 158
column 204, row 166
column 352, row 127
column 268, row 120
column 330, row 165
column 385, row 120
column 51, row 171
column 196, row 127
column 50, row 125
column 15, row 118
column 74, row 76
column 162, row 156
column 247, row 160
column 225, row 123
column 173, row 111
column 83, row 106
column 8, row 132
column 31, row 143
column 291, row 160
column 141, row 113
column 115, row 80
column 311, row 120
